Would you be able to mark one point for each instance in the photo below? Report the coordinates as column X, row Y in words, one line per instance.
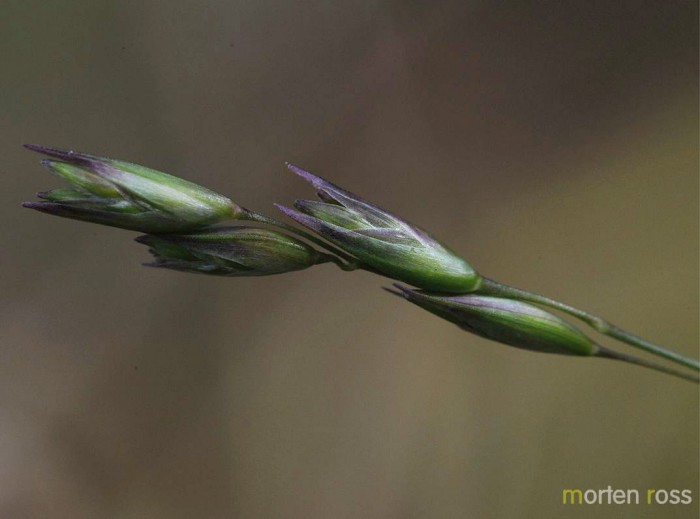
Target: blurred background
column 553, row 144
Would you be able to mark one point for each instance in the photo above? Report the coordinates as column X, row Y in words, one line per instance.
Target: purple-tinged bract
column 505, row 320
column 122, row 194
column 380, row 240
column 232, row 251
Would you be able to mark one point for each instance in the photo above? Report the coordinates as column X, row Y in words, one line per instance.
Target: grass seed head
column 231, row 251
column 505, row 320
column 381, row 240
column 129, row 196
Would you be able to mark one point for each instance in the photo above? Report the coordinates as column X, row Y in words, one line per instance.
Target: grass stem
column 610, row 354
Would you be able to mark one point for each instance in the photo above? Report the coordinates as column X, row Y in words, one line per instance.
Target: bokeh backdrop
column 553, row 144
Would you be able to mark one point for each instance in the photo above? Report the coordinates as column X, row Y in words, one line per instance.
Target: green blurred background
column 553, row 144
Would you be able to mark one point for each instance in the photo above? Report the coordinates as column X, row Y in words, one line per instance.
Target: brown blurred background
column 553, row 144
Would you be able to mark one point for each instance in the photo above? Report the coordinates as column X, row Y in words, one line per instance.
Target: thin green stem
column 610, row 354
column 490, row 287
column 340, row 258
column 342, row 264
